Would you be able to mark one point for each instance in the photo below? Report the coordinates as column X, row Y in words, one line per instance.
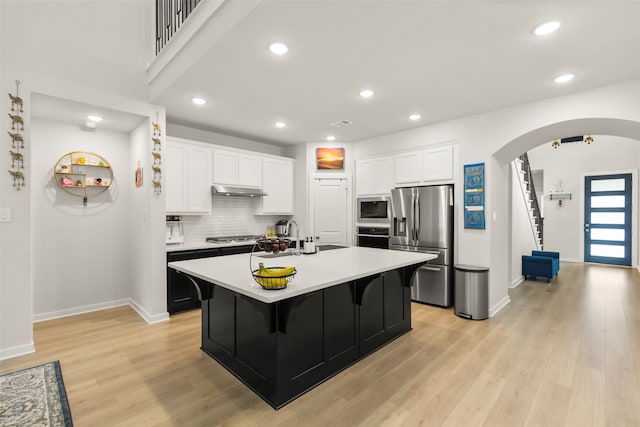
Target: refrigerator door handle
column 450, row 196
column 416, row 215
column 414, row 236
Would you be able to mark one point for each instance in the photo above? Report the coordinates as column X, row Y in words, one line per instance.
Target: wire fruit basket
column 272, row 278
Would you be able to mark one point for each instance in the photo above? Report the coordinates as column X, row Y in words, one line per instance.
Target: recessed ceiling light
column 546, row 28
column 564, row 78
column 415, row 117
column 90, row 125
column 279, row 124
column 331, row 138
column 278, row 48
column 367, row 93
column 199, row 101
column 94, row 118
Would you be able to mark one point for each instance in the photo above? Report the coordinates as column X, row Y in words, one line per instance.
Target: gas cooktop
column 233, row 239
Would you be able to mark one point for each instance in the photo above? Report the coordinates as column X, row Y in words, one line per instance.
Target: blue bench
column 541, row 264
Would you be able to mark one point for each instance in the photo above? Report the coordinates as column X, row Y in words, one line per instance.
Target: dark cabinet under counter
column 181, row 293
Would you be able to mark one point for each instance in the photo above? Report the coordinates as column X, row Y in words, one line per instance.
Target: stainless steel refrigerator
column 422, row 221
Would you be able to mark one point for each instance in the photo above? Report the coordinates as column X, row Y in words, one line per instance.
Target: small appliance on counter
column 175, row 233
column 281, row 228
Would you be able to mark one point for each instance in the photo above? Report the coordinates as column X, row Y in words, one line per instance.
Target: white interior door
column 330, row 211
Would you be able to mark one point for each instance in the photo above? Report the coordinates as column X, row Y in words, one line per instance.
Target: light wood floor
column 568, row 354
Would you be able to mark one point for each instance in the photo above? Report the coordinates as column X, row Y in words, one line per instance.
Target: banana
column 273, row 277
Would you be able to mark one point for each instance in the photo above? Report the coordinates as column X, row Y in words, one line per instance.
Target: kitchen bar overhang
column 342, row 306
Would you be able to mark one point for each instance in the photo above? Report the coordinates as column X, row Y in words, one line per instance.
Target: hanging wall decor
column 157, row 157
column 474, row 190
column 17, row 140
column 83, row 174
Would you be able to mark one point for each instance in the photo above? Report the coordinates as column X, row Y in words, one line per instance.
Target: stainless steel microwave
column 374, row 210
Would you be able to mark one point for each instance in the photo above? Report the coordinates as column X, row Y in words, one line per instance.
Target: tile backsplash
column 230, row 216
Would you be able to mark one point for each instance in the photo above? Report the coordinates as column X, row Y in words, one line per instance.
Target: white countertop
column 314, row 272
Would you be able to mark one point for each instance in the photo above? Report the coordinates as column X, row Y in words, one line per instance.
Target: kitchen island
column 342, row 305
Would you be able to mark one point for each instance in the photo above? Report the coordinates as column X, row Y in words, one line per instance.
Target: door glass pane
column 607, row 234
column 608, row 251
column 607, row 202
column 607, row 217
column 607, row 184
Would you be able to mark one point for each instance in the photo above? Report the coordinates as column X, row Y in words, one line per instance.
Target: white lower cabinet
column 374, row 176
column 277, row 182
column 188, row 174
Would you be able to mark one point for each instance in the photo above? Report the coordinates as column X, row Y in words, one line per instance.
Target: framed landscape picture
column 330, row 158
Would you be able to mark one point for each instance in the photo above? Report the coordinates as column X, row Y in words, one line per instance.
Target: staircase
column 523, row 168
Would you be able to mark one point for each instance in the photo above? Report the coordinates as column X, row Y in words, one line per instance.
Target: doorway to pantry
column 331, row 209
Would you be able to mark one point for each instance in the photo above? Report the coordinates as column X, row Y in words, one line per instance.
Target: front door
column 330, row 211
column 607, row 220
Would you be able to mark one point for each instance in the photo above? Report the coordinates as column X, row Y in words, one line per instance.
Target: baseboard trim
column 150, row 319
column 499, row 306
column 20, row 350
column 516, row 282
column 78, row 310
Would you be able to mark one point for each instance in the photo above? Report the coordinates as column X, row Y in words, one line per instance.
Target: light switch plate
column 5, row 214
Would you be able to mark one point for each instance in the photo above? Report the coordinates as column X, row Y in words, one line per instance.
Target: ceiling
column 443, row 60
column 76, row 113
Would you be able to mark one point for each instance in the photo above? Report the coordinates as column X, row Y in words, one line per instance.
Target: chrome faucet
column 291, row 221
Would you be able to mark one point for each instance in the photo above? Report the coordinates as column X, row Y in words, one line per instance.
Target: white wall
column 563, row 226
column 496, row 138
column 82, row 254
column 522, row 237
column 220, row 139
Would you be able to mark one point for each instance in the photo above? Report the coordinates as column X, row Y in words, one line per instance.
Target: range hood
column 231, row 190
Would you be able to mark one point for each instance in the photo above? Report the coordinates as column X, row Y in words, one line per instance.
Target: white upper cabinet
column 249, row 171
column 433, row 165
column 277, row 182
column 187, row 169
column 374, row 176
column 437, row 163
column 408, row 168
column 236, row 168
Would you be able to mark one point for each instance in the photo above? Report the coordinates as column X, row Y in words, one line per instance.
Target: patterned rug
column 34, row 397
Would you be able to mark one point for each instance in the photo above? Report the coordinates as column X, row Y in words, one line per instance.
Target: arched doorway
column 501, row 159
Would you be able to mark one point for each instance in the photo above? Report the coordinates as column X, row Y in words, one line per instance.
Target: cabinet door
column 199, row 179
column 408, row 168
column 365, row 177
column 382, row 179
column 277, row 182
column 437, row 164
column 249, row 171
column 175, row 167
column 225, row 167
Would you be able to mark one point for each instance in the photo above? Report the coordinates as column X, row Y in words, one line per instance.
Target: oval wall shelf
column 83, row 174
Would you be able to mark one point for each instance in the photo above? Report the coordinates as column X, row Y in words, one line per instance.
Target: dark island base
column 284, row 349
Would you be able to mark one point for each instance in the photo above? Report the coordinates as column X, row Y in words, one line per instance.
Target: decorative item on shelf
column 17, row 140
column 70, row 173
column 157, row 157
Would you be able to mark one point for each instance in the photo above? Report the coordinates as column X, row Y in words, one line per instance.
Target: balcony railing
column 170, row 15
